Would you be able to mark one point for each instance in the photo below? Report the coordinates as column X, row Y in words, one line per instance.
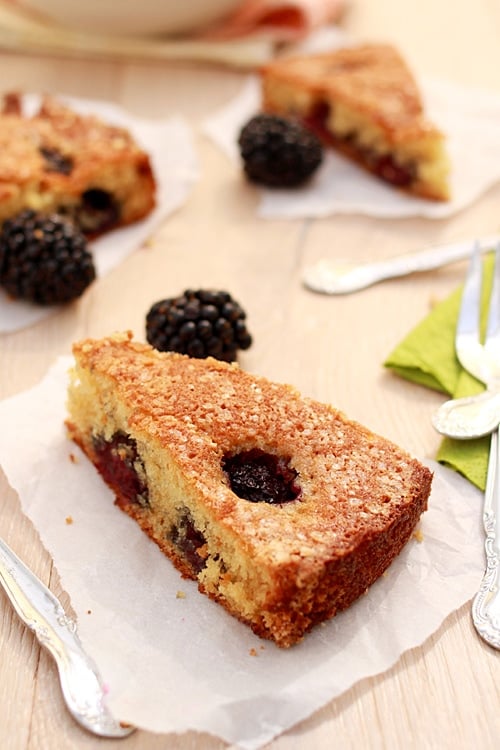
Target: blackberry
column 201, row 323
column 278, row 152
column 261, row 477
column 44, row 259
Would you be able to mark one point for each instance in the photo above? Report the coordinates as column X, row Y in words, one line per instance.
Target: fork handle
column 486, row 604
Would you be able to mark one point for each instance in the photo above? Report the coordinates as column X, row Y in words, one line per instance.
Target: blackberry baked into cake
column 364, row 101
column 280, row 507
column 59, row 161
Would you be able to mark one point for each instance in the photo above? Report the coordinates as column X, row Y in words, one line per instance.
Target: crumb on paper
column 180, row 595
column 68, row 520
column 253, row 652
column 89, row 611
column 418, row 535
column 149, row 243
column 73, row 458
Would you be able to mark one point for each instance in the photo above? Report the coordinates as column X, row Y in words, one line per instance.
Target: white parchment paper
column 172, row 659
column 469, row 118
column 170, row 146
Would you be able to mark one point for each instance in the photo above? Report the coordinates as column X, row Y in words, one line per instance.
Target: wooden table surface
column 445, row 694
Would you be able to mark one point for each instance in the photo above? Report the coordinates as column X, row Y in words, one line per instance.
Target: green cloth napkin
column 427, row 357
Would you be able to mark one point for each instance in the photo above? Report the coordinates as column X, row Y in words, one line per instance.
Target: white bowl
column 131, row 17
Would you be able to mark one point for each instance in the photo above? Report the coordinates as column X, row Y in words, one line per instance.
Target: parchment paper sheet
column 173, row 664
column 170, row 146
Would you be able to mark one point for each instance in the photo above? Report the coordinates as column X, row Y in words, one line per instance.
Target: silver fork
column 483, row 361
column 38, row 608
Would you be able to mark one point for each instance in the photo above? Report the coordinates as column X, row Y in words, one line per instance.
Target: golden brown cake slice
column 364, row 101
column 280, row 507
column 60, row 161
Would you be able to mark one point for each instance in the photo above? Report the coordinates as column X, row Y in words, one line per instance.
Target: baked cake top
column 372, row 78
column 353, row 483
column 65, row 147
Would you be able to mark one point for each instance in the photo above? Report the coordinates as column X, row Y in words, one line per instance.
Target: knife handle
column 486, row 604
column 42, row 612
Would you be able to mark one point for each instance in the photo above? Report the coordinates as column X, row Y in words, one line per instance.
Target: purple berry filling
column 117, row 461
column 97, row 212
column 261, row 477
column 384, row 166
column 188, row 540
column 55, row 161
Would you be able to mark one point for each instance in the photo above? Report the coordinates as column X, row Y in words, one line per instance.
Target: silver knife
column 41, row 611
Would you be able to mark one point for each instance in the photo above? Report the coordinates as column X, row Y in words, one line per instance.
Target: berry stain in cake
column 261, row 477
column 385, row 166
column 55, row 161
column 189, row 541
column 97, row 211
column 120, row 465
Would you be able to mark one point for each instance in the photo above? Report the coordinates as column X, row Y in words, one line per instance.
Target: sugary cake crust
column 374, row 104
column 373, row 79
column 49, row 162
column 279, row 568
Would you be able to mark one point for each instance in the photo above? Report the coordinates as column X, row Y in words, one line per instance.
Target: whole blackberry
column 44, row 259
column 199, row 323
column 278, row 152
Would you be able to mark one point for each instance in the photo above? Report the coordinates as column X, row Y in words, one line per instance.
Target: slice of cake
column 281, row 508
column 59, row 161
column 364, row 101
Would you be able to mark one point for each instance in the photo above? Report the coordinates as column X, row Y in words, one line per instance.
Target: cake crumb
column 73, row 458
column 418, row 535
column 180, row 595
column 89, row 611
column 68, row 520
column 253, row 652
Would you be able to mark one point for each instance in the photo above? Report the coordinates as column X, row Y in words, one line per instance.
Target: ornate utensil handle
column 39, row 609
column 486, row 604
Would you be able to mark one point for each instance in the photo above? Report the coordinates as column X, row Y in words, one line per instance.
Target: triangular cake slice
column 281, row 508
column 365, row 102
